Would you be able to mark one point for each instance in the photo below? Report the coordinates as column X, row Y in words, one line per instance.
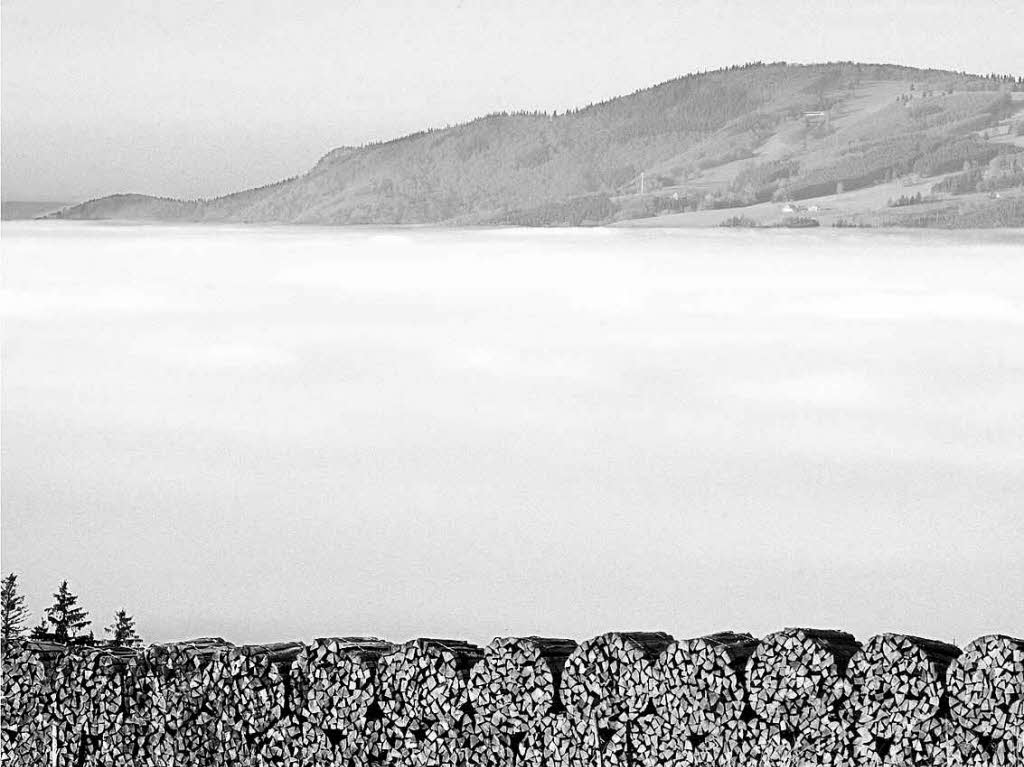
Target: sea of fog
column 275, row 433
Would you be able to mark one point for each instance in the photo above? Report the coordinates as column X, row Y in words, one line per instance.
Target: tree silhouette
column 123, row 630
column 65, row 615
column 14, row 612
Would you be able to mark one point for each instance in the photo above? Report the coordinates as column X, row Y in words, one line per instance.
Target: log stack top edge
column 842, row 645
column 698, row 683
column 985, row 686
column 466, row 654
column 517, row 681
column 939, row 653
column 278, row 652
column 651, row 643
column 795, row 678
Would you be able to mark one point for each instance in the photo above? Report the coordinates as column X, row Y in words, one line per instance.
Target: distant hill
column 747, row 135
column 13, row 210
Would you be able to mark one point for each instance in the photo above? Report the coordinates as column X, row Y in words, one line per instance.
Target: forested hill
column 728, row 138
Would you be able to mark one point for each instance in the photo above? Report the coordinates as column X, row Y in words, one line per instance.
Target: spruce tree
column 42, row 631
column 66, row 616
column 123, row 630
column 14, row 612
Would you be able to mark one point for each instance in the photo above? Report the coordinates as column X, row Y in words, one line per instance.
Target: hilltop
column 852, row 143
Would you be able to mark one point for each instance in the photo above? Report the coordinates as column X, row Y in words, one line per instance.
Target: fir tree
column 14, row 613
column 123, row 630
column 42, row 631
column 65, row 615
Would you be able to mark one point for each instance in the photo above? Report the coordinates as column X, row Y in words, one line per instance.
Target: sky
column 277, row 433
column 197, row 97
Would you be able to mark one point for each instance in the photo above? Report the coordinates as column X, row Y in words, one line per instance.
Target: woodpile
column 798, row 698
column 294, row 743
column 174, row 711
column 470, row 742
column 481, row 744
column 424, row 682
column 986, row 687
column 333, row 681
column 24, row 746
column 897, row 682
column 607, row 680
column 422, row 693
column 334, row 687
column 1009, row 751
column 249, row 683
column 169, row 680
column 698, row 683
column 517, row 681
column 796, row 677
column 558, row 740
column 118, row 748
column 653, row 741
column 426, row 747
column 89, row 701
column 750, row 740
column 24, row 689
column 827, row 744
column 24, row 709
column 936, row 742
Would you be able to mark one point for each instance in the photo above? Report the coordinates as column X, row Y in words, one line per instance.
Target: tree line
column 64, row 621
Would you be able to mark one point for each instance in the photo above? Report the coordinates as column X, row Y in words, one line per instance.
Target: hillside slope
column 717, row 140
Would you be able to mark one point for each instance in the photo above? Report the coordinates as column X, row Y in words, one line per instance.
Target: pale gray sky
column 197, row 98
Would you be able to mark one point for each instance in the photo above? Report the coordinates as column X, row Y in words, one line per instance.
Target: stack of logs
column 173, row 711
column 334, row 700
column 25, row 710
column 423, row 695
column 805, row 697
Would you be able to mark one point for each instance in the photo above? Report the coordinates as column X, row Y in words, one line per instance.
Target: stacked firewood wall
column 800, row 696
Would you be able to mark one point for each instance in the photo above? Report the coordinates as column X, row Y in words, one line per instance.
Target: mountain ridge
column 730, row 138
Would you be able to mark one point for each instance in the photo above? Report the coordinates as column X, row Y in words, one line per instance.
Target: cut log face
column 753, row 741
column 293, row 743
column 608, row 680
column 559, row 741
column 795, row 677
column 250, row 683
column 483, row 745
column 1009, row 751
column 25, row 689
column 90, row 690
column 828, row 744
column 466, row 743
column 25, row 746
column 699, row 682
column 652, row 741
column 233, row 748
column 897, row 682
column 170, row 686
column 986, row 686
column 471, row 742
column 516, row 683
column 333, row 680
column 937, row 742
column 424, row 682
column 118, row 748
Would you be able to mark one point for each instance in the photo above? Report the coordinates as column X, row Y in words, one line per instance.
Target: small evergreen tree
column 123, row 630
column 42, row 631
column 65, row 615
column 14, row 612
